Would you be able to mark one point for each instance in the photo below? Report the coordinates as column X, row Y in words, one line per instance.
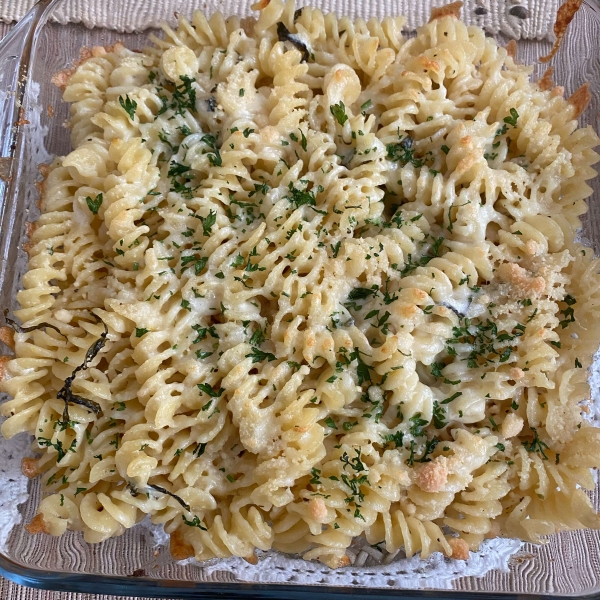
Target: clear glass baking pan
column 32, row 114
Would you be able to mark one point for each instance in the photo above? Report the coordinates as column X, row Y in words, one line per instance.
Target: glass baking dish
column 137, row 563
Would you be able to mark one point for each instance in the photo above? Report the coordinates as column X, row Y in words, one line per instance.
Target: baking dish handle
column 16, row 50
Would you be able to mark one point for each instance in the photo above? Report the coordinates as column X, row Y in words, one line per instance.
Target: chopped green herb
column 330, row 423
column 536, row 445
column 396, row 438
column 418, row 423
column 258, row 355
column 128, row 105
column 430, row 446
column 339, row 112
column 453, row 397
column 439, row 416
column 94, row 205
column 215, row 157
column 195, row 522
column 362, row 293
column 209, row 390
column 315, row 476
column 208, row 222
column 199, row 449
column 512, row 120
column 568, row 312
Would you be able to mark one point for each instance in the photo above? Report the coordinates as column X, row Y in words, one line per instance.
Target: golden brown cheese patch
column 546, row 83
column 179, row 548
column 7, row 336
column 512, row 425
column 5, row 166
column 22, row 120
column 3, row 361
column 344, row 561
column 449, row 10
column 564, row 16
column 260, row 5
column 580, row 99
column 318, row 509
column 29, row 467
column 511, row 49
column 247, row 24
column 37, row 525
column 460, row 548
column 29, row 229
column 431, row 65
column 433, row 476
column 40, row 186
column 516, row 373
column 520, row 280
column 61, row 78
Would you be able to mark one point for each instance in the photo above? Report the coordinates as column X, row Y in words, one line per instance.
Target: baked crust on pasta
column 343, row 295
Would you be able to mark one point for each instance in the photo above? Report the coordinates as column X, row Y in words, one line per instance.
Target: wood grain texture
column 13, row 591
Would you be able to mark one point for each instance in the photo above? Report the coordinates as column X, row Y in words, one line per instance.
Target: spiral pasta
column 302, row 280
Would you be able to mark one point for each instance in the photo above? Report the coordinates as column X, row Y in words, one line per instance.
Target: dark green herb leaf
column 199, row 449
column 362, row 293
column 258, row 355
column 208, row 222
column 366, row 105
column 330, row 423
column 418, row 423
column 339, row 112
column 315, row 476
column 396, row 438
column 94, row 205
column 453, row 397
column 536, row 445
column 429, row 448
column 512, row 120
column 128, row 105
column 66, row 394
column 195, row 522
column 439, row 416
column 209, row 390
